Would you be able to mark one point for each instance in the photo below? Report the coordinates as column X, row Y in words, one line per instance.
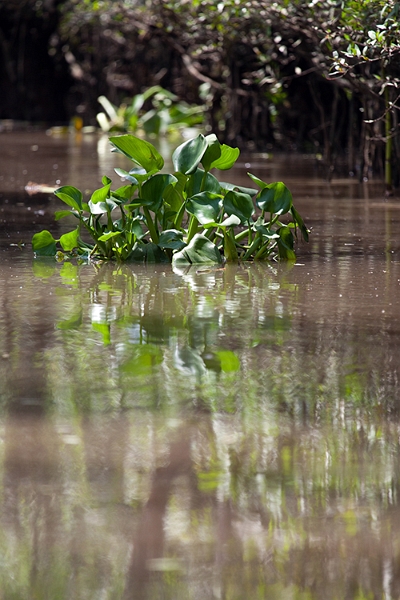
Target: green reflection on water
column 193, row 435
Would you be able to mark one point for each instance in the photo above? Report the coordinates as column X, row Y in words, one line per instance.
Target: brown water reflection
column 212, row 433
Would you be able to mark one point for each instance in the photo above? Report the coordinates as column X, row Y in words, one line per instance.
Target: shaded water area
column 208, row 433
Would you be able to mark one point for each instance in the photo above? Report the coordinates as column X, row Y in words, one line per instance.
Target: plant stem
column 152, row 230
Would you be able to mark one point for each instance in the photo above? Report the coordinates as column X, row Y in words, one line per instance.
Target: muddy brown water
column 214, row 433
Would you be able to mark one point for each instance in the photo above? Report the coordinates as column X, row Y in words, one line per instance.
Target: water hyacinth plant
column 186, row 217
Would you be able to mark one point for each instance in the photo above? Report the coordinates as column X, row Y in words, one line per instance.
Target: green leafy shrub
column 187, row 217
column 167, row 113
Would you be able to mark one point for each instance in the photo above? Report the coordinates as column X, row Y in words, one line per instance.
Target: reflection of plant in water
column 278, row 479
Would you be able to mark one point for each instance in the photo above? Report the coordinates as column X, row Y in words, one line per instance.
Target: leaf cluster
column 187, row 216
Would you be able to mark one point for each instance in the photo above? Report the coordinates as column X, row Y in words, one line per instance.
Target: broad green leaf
column 275, row 198
column 70, row 240
column 172, row 198
column 285, row 243
column 153, row 190
column 227, row 159
column 199, row 250
column 188, row 155
column 205, row 207
column 70, row 195
column 101, row 194
column 124, row 192
column 200, row 181
column 140, row 151
column 171, row 238
column 43, row 244
column 212, row 153
column 241, row 205
column 60, row 214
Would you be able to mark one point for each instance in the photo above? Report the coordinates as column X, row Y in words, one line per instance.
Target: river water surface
column 215, row 433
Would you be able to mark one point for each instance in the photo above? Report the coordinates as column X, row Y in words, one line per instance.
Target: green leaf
column 44, row 244
column 171, row 238
column 241, row 205
column 101, row 194
column 140, row 151
column 200, row 181
column 188, row 155
column 275, row 198
column 205, row 207
column 261, row 184
column 199, row 250
column 227, row 159
column 285, row 243
column 153, row 190
column 60, row 214
column 107, row 236
column 212, row 153
column 70, row 195
column 69, row 241
column 300, row 223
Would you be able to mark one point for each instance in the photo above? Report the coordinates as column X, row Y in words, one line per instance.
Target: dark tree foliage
column 318, row 76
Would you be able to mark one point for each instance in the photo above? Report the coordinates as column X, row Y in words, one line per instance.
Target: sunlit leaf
column 212, row 153
column 70, row 195
column 101, row 194
column 188, row 155
column 70, row 240
column 140, row 151
column 241, row 205
column 199, row 250
column 43, row 243
column 275, row 198
column 205, row 207
column 227, row 159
